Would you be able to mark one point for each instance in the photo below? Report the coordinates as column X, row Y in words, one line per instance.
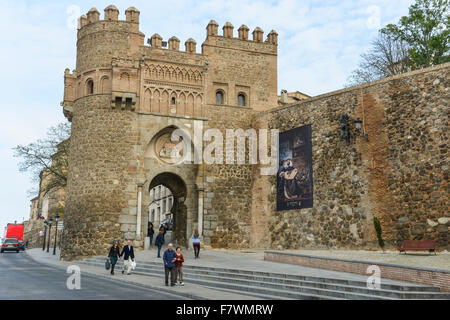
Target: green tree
column 387, row 57
column 426, row 31
column 418, row 40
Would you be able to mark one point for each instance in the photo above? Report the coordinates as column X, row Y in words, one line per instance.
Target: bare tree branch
column 47, row 158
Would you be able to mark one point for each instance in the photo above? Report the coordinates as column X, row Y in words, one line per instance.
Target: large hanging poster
column 295, row 176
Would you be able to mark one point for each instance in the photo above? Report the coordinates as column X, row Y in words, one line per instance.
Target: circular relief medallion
column 167, row 150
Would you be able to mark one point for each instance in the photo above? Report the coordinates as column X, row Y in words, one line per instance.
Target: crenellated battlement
column 91, row 22
column 243, row 31
column 229, row 69
column 111, row 14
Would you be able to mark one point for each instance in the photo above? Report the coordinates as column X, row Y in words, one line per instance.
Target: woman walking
column 159, row 241
column 114, row 255
column 179, row 259
column 196, row 243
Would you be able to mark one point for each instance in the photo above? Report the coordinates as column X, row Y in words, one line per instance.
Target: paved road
column 22, row 278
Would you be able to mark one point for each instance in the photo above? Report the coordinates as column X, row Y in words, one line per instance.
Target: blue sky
column 319, row 45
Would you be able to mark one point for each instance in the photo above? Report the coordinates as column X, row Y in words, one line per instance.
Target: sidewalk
column 251, row 260
column 189, row 291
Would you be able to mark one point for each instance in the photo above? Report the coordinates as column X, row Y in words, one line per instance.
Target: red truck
column 14, row 238
column 14, row 231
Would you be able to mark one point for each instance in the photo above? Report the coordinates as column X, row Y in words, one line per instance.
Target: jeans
column 159, row 251
column 196, row 249
column 179, row 274
column 151, row 239
column 173, row 275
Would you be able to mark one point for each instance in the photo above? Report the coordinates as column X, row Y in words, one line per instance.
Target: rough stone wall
column 400, row 175
column 227, row 202
column 100, row 180
column 245, row 66
column 99, row 42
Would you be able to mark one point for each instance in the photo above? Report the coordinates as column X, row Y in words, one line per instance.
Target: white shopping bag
column 133, row 265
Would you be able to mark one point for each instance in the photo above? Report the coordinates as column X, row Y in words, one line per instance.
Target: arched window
column 241, row 100
column 173, row 101
column 219, row 97
column 90, row 86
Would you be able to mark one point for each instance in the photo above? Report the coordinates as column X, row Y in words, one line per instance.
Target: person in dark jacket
column 114, row 255
column 150, row 232
column 163, row 229
column 159, row 241
column 128, row 253
column 169, row 259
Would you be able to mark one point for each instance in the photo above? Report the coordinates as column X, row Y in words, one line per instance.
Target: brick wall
column 437, row 278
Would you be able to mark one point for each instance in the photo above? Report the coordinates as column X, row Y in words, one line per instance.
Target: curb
column 183, row 294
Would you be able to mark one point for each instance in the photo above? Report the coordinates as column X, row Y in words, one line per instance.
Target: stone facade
column 400, row 175
column 124, row 98
column 46, row 205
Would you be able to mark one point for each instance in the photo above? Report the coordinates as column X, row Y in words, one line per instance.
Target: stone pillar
column 258, row 34
column 93, row 15
column 111, row 13
column 272, row 37
column 139, row 213
column 228, row 30
column 243, row 32
column 190, row 45
column 132, row 14
column 200, row 212
column 156, row 41
column 212, row 28
column 157, row 219
column 174, row 44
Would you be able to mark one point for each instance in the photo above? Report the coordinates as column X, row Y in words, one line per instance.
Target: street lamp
column 345, row 128
column 45, row 234
column 56, row 233
column 358, row 125
column 49, row 233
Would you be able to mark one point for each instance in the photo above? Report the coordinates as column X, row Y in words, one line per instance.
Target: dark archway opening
column 178, row 211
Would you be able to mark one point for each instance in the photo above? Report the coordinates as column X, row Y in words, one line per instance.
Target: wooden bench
column 418, row 245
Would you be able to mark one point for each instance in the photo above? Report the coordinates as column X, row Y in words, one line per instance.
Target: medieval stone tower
column 124, row 100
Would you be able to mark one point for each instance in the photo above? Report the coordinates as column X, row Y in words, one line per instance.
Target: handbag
column 133, row 265
column 107, row 264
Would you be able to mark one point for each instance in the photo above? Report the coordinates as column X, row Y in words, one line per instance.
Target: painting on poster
column 295, row 176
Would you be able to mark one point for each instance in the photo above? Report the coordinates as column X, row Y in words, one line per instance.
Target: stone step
column 319, row 282
column 277, row 277
column 316, row 288
column 232, row 289
column 329, row 291
column 252, row 290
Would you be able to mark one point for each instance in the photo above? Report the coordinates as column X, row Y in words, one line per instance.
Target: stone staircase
column 268, row 285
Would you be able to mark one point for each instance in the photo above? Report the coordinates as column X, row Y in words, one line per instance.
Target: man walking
column 169, row 258
column 128, row 253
